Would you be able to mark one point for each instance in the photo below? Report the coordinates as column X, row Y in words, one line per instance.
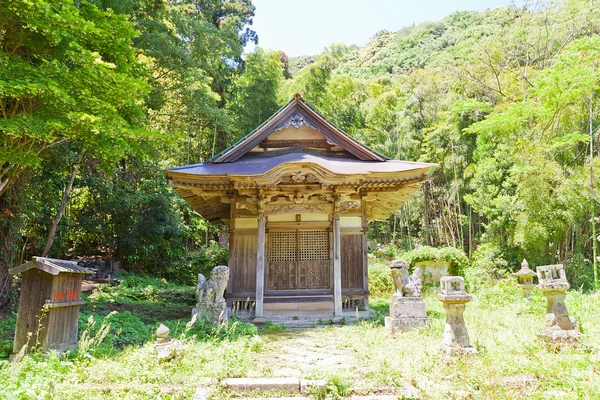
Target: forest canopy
column 97, row 97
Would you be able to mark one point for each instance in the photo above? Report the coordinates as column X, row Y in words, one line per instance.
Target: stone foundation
column 406, row 313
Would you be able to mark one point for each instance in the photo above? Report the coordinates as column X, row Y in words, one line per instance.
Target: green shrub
column 580, row 272
column 7, row 333
column 457, row 258
column 126, row 328
column 231, row 330
column 201, row 261
column 380, row 280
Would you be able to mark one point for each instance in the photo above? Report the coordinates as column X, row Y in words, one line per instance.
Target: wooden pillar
column 337, row 259
column 365, row 249
column 232, row 254
column 260, row 258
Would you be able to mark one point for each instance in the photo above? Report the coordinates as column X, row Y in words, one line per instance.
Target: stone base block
column 406, row 313
column 407, row 307
column 457, row 350
column 405, row 324
column 168, row 350
column 555, row 334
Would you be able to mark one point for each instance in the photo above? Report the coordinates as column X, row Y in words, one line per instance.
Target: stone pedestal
column 454, row 298
column 560, row 327
column 406, row 313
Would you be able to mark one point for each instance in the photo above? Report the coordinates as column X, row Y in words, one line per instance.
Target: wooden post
column 337, row 264
column 365, row 249
column 232, row 254
column 260, row 257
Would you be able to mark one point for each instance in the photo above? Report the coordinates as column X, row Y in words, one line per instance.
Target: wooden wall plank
column 242, row 261
column 352, row 262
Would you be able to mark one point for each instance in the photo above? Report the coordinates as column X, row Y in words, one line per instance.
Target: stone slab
column 406, row 324
column 458, row 351
column 306, row 385
column 407, row 307
column 264, row 384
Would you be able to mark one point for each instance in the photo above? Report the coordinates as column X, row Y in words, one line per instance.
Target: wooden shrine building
column 298, row 194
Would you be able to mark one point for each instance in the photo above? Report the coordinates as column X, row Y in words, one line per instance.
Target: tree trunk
column 426, row 212
column 63, row 207
column 8, row 239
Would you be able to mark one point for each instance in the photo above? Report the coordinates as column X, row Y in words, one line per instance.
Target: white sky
column 306, row 27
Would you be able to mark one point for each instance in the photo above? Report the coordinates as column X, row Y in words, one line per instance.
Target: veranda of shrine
column 298, row 195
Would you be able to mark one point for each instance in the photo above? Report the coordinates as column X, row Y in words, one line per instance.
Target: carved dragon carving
column 323, row 208
column 299, row 177
column 346, row 206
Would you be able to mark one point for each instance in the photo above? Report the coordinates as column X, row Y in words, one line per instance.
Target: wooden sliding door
column 298, row 259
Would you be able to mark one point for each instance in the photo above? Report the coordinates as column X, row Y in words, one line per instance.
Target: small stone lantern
column 560, row 327
column 525, row 276
column 165, row 346
column 454, row 297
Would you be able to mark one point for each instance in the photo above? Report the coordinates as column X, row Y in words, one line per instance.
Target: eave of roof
column 259, row 165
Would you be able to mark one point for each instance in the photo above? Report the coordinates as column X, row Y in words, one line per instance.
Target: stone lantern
column 454, row 298
column 525, row 276
column 560, row 327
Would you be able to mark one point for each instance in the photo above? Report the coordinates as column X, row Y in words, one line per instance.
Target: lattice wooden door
column 298, row 259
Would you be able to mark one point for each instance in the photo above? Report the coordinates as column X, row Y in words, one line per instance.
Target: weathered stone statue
column 165, row 346
column 407, row 309
column 525, row 276
column 211, row 305
column 405, row 284
column 454, row 298
column 560, row 327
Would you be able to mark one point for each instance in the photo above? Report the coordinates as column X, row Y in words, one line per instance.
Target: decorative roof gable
column 297, row 113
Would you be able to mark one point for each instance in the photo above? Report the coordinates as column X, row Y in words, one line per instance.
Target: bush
column 457, row 258
column 201, row 261
column 125, row 329
column 380, row 280
column 580, row 272
column 231, row 330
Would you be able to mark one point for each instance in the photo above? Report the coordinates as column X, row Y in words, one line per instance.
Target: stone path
column 301, row 351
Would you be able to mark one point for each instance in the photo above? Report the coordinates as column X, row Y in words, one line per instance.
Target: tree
column 254, row 93
column 67, row 74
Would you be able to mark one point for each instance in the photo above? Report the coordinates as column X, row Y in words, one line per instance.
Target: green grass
column 352, row 359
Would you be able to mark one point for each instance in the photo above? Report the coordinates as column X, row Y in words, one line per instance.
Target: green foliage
column 256, row 89
column 200, row 261
column 7, row 332
column 456, row 257
column 124, row 329
column 231, row 330
column 380, row 280
column 67, row 73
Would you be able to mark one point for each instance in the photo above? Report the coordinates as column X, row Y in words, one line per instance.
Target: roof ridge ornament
column 297, row 119
column 297, row 96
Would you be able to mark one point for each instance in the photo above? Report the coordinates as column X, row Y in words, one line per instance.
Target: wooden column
column 365, row 249
column 232, row 267
column 337, row 259
column 260, row 257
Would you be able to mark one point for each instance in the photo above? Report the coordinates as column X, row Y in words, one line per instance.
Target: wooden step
column 297, row 299
column 299, row 308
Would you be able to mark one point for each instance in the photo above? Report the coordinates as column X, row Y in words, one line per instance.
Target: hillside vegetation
column 505, row 101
